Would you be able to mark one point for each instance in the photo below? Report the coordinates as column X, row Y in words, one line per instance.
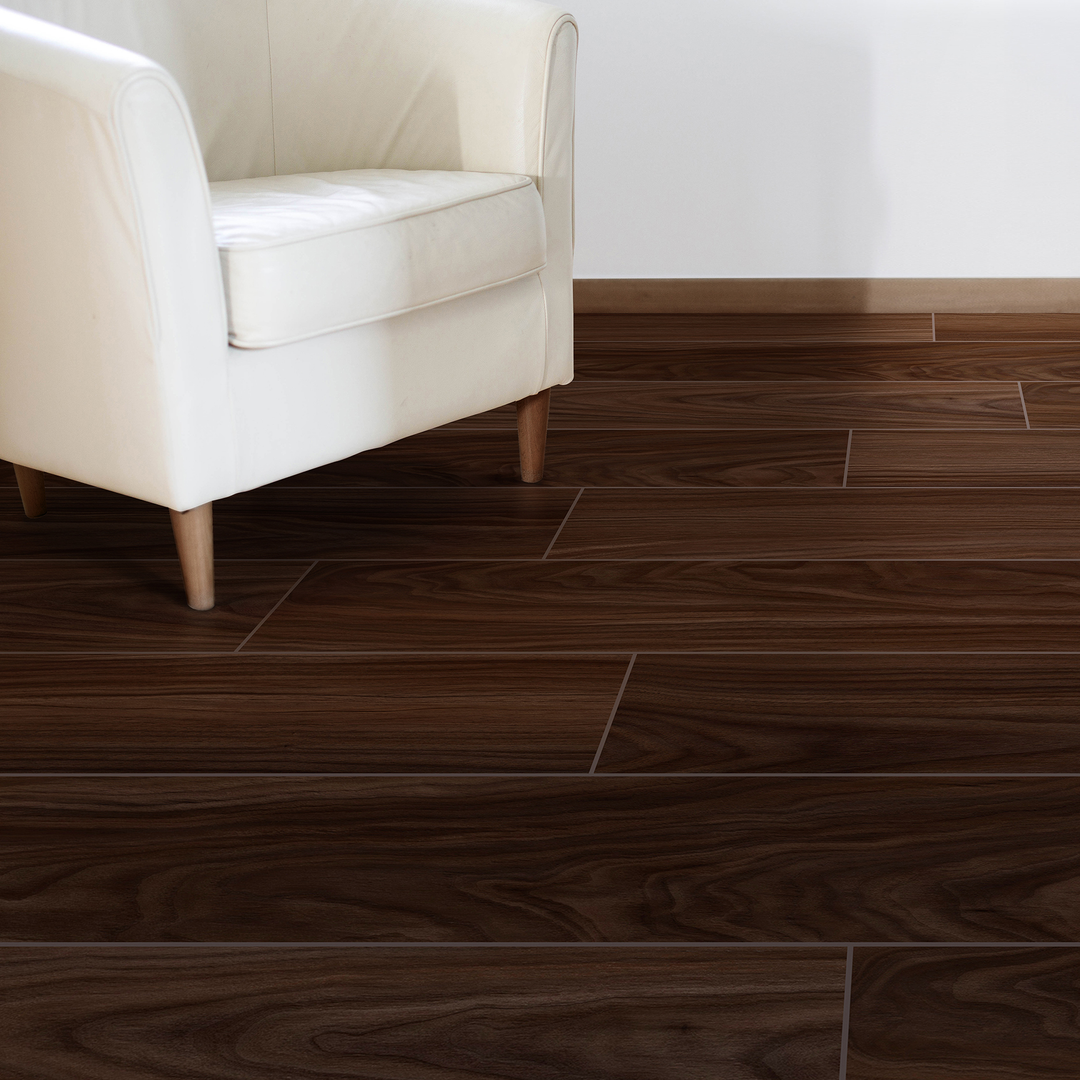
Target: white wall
column 828, row 138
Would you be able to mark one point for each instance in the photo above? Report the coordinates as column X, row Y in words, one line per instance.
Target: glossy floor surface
column 744, row 747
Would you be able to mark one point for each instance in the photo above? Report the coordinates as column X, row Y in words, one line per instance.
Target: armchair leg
column 32, row 490
column 532, row 419
column 194, row 532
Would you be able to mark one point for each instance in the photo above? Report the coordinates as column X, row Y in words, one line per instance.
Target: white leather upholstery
column 318, row 252
column 115, row 367
column 218, row 51
column 299, row 406
column 482, row 85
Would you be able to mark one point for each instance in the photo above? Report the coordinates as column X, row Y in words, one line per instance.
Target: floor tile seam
column 1023, row 402
column 608, row 383
column 562, row 524
column 804, row 486
column 815, row 339
column 288, row 592
column 551, row 653
column 614, row 711
column 733, row 558
column 134, row 774
column 839, row 426
column 720, row 487
column 845, row 1023
column 812, row 490
column 1005, row 341
column 582, row 380
column 988, row 486
column 820, row 429
column 519, row 653
column 657, row 945
column 465, row 490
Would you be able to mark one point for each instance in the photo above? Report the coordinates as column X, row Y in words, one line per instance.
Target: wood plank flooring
column 744, row 746
column 436, row 1014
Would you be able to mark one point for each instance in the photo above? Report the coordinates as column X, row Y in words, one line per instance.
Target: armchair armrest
column 475, row 85
column 112, row 324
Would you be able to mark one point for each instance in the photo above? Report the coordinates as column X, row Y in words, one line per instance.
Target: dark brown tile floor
column 744, row 746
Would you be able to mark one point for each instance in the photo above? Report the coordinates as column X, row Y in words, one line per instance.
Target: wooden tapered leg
column 194, row 532
column 532, row 418
column 32, row 490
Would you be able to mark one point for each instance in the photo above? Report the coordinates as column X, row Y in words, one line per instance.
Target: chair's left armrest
column 113, row 338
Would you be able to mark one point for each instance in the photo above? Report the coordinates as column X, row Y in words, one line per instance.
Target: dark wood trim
column 825, row 295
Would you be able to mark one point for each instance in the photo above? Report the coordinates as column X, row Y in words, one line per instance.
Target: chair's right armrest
column 477, row 85
column 112, row 322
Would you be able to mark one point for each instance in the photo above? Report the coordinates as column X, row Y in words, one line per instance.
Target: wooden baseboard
column 825, row 295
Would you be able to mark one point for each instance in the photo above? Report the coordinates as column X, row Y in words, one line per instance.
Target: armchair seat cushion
column 312, row 253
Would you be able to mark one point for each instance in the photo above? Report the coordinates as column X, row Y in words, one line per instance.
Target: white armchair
column 244, row 238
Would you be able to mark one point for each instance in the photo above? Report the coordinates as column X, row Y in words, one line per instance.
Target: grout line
column 539, row 944
column 845, row 1026
column 847, row 456
column 719, row 487
column 735, row 557
column 933, row 337
column 926, row 485
column 622, row 428
column 539, row 775
column 558, row 531
column 506, row 426
column 611, row 718
column 794, row 341
column 1023, row 403
column 495, row 774
column 106, row 654
column 739, row 558
column 288, row 593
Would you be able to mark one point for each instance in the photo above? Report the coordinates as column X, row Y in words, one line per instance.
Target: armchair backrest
column 217, row 50
column 284, row 86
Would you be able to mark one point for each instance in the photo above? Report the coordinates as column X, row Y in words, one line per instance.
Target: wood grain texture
column 952, row 458
column 424, row 1014
column 683, row 606
column 836, row 713
column 611, row 404
column 824, row 295
column 287, row 523
column 85, row 523
column 681, row 361
column 1053, row 404
column 455, row 458
column 822, row 524
column 7, row 477
column 720, row 327
column 593, row 858
column 965, row 1014
column 1056, row 326
column 105, row 606
column 337, row 523
column 410, row 654
column 305, row 713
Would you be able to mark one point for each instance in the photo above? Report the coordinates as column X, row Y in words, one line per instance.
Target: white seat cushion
column 312, row 253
